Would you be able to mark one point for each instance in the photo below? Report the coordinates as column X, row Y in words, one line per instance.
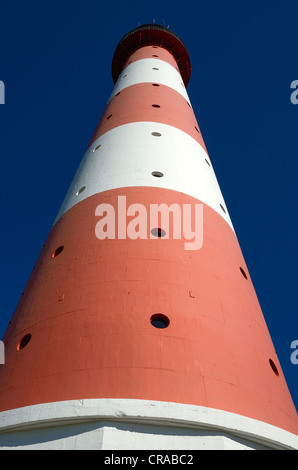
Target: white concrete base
column 116, row 424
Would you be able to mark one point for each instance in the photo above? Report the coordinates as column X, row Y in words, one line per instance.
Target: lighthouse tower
column 130, row 334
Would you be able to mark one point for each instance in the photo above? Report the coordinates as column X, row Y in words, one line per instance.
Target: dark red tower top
column 155, row 35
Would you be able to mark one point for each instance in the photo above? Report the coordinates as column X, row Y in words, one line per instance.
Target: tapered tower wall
column 83, row 358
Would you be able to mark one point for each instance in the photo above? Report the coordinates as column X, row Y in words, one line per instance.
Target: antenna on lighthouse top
column 164, row 24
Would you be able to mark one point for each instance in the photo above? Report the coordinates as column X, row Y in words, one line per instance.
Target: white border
column 148, row 412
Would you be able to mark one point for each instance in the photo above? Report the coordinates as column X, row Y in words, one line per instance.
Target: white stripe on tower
column 128, row 155
column 152, row 71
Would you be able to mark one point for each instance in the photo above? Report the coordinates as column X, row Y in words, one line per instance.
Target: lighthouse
column 139, row 327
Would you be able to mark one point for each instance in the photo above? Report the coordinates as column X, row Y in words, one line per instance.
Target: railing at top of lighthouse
column 151, row 34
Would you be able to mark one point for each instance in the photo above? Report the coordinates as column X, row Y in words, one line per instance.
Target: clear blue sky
column 55, row 61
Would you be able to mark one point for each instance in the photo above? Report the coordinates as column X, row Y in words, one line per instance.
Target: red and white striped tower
column 87, row 362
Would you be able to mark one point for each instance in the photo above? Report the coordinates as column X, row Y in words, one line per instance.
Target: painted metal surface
column 88, row 310
column 82, row 329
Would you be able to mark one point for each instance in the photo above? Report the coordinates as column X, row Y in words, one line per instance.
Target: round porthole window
column 80, row 190
column 243, row 272
column 222, row 208
column 23, row 342
column 158, row 232
column 273, row 367
column 158, row 320
column 58, row 251
column 96, row 148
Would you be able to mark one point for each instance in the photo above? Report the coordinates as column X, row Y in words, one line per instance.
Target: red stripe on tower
column 141, row 328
